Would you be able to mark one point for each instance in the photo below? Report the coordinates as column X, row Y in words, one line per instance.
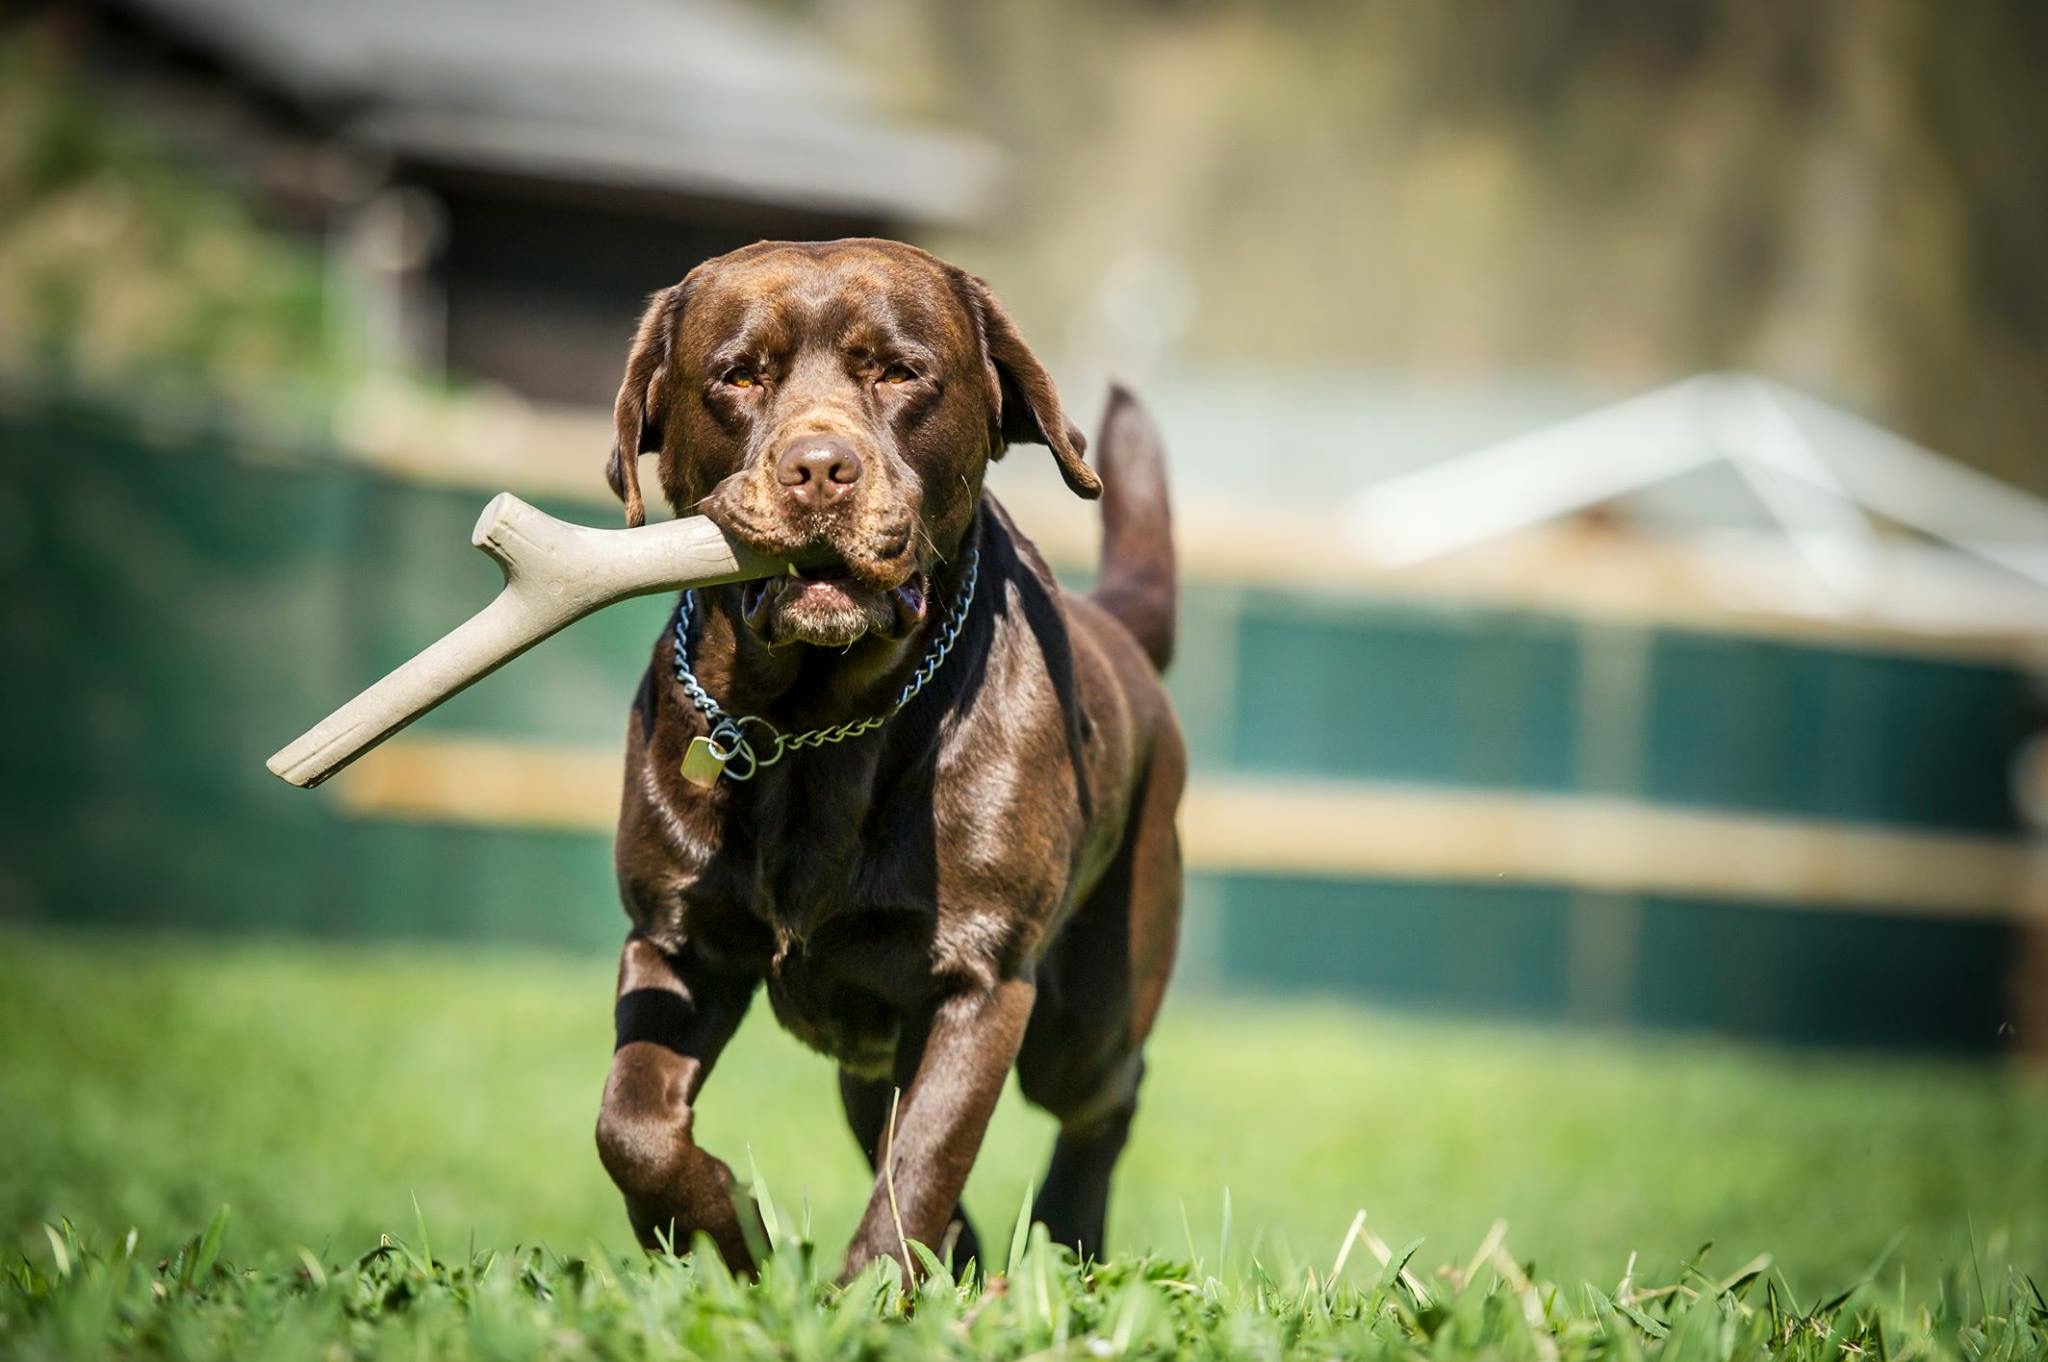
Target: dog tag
column 702, row 766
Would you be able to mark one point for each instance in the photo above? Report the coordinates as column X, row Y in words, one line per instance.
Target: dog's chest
column 843, row 988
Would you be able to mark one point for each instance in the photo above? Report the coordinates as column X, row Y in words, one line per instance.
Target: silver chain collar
column 727, row 750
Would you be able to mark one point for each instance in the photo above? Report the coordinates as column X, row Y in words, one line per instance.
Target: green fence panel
column 1824, row 976
column 1778, row 971
column 1833, row 732
column 1480, row 948
column 1365, row 690
column 174, row 608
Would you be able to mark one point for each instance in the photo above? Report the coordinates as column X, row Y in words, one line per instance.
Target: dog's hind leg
column 1099, row 993
column 1073, row 1205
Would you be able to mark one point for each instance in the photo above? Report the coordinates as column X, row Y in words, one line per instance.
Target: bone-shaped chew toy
column 555, row 574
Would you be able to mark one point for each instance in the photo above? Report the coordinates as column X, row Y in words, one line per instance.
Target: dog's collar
column 711, row 755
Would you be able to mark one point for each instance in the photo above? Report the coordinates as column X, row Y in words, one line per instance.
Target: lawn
column 331, row 1093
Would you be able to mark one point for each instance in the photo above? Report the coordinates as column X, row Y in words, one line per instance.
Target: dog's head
column 836, row 401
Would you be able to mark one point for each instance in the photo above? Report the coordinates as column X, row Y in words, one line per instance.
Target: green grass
column 400, row 1299
column 332, row 1094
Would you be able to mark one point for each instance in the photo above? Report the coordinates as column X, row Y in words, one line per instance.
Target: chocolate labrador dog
column 919, row 792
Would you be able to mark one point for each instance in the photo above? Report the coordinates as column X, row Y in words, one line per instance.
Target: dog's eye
column 740, row 376
column 898, row 374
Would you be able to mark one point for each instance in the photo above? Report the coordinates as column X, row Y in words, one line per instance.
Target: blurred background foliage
column 1843, row 196
column 1272, row 207
column 1846, row 196
column 129, row 266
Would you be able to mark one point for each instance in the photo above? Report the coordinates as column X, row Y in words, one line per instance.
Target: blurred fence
column 1485, row 809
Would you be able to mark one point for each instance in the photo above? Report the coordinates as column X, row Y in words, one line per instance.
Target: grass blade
column 1223, row 1239
column 419, row 1221
column 769, row 1217
column 204, row 1257
column 1020, row 1233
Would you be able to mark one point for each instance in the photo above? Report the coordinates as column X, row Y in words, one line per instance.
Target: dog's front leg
column 674, row 1017
column 969, row 1047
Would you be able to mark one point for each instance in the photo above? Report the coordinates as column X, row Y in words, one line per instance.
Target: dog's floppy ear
column 636, row 419
column 1026, row 404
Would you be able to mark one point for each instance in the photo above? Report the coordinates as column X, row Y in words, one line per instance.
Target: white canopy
column 1835, row 488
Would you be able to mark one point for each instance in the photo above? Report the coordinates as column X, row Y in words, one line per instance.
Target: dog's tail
column 1136, row 583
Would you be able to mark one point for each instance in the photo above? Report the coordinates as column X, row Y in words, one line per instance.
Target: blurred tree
column 124, row 264
column 1852, row 197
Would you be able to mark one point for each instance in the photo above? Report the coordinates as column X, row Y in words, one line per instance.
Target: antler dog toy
column 555, row 574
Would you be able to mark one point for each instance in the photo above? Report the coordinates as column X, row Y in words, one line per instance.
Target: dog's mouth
column 828, row 605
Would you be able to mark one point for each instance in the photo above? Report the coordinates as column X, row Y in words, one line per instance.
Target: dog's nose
column 818, row 471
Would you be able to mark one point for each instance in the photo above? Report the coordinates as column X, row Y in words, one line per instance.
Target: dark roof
column 694, row 97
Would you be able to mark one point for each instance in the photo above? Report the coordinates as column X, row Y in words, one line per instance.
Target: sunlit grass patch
column 401, row 1298
column 327, row 1091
